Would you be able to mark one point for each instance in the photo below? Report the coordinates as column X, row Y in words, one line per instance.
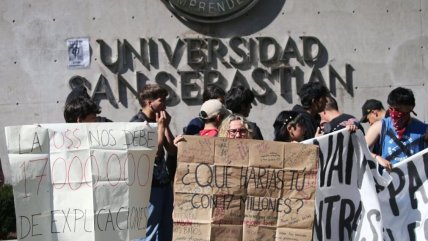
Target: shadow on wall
column 257, row 18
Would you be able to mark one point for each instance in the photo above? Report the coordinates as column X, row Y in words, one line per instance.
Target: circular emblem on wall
column 210, row 11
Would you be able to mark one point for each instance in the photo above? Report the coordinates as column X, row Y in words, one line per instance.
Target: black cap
column 79, row 91
column 368, row 107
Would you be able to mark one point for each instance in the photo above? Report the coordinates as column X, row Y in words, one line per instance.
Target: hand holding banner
column 354, row 202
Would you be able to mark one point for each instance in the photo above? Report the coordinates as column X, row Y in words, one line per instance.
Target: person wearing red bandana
column 400, row 135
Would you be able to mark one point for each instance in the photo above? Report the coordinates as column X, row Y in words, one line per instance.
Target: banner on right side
column 354, row 202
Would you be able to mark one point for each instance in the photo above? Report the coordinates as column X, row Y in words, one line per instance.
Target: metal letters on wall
column 264, row 60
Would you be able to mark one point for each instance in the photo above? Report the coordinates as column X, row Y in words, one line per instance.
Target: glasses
column 241, row 132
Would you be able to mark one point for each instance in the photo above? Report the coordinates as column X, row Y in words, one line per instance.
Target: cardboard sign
column 81, row 181
column 244, row 190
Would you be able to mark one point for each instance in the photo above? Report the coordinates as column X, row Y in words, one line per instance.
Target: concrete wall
column 364, row 50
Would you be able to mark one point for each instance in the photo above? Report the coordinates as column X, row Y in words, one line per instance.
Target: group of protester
column 393, row 134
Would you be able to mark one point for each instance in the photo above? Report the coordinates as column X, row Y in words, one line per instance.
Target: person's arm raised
column 169, row 137
column 160, row 120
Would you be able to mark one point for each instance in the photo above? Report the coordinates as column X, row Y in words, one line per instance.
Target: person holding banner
column 289, row 127
column 313, row 97
column 159, row 225
column 80, row 110
column 333, row 120
column 399, row 135
column 79, row 103
column 372, row 111
column 235, row 127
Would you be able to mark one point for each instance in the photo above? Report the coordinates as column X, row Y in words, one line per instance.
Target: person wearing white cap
column 212, row 91
column 212, row 113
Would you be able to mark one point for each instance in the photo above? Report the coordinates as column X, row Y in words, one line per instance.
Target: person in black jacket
column 238, row 100
column 313, row 97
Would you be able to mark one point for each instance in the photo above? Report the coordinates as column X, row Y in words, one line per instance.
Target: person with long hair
column 235, row 127
column 289, row 127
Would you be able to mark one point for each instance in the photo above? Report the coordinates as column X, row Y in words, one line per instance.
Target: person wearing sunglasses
column 235, row 127
column 400, row 135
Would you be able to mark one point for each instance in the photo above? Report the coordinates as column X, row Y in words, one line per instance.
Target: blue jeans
column 159, row 224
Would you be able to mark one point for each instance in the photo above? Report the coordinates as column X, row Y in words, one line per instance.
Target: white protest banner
column 347, row 207
column 81, row 181
column 404, row 203
column 353, row 202
column 236, row 189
